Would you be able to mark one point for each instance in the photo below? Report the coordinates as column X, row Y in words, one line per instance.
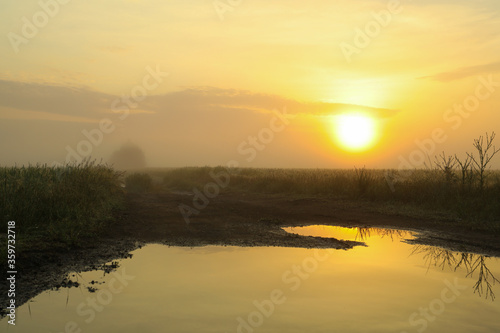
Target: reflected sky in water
column 388, row 286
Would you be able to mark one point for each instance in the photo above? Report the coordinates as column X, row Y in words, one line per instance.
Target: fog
column 259, row 82
column 194, row 126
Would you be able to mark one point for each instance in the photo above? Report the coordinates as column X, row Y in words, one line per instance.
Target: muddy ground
column 238, row 219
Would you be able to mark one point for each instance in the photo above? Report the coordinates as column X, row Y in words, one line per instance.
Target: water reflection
column 366, row 289
column 472, row 263
column 351, row 233
column 363, row 234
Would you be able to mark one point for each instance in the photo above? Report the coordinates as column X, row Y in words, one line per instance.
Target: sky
column 262, row 83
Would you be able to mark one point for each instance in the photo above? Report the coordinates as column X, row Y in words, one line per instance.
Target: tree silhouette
column 129, row 156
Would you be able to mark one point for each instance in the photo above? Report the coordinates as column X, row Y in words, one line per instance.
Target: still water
column 387, row 286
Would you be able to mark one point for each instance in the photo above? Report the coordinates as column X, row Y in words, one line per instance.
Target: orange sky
column 417, row 67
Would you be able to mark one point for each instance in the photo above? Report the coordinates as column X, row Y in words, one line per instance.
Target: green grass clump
column 60, row 205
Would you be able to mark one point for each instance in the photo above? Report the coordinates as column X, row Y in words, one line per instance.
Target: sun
column 354, row 131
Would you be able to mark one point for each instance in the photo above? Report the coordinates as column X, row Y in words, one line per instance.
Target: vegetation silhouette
column 129, row 156
column 471, row 262
column 363, row 234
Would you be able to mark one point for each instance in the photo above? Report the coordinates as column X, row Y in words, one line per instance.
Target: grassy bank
column 436, row 192
column 57, row 206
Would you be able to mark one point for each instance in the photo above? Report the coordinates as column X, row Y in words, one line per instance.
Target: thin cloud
column 82, row 102
column 464, row 72
column 26, row 115
column 62, row 100
column 210, row 98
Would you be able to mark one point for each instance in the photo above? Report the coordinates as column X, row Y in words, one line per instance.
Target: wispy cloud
column 62, row 100
column 16, row 114
column 464, row 72
column 210, row 98
column 81, row 102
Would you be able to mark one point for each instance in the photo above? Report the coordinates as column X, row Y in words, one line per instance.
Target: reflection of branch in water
column 435, row 256
column 362, row 234
column 471, row 262
column 393, row 233
column 465, row 260
column 365, row 233
column 484, row 274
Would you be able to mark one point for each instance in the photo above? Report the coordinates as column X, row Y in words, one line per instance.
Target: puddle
column 352, row 234
column 388, row 286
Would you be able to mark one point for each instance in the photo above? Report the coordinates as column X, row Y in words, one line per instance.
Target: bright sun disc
column 355, row 131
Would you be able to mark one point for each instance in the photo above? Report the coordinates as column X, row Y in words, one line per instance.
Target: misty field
column 444, row 193
column 459, row 189
column 58, row 207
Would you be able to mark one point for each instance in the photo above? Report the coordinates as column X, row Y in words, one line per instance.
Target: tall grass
column 59, row 204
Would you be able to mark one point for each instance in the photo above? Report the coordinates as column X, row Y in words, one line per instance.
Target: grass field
column 436, row 191
column 58, row 206
column 464, row 189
